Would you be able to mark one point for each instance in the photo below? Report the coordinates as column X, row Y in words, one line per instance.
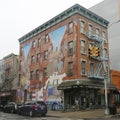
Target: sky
column 18, row 17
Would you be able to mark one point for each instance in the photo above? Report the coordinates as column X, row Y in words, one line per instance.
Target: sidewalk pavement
column 96, row 113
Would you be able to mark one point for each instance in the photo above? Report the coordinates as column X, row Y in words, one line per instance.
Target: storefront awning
column 68, row 84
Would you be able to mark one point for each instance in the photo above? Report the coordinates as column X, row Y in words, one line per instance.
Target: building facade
column 9, row 84
column 105, row 9
column 67, row 57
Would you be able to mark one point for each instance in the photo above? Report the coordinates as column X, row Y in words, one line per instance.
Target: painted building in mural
column 55, row 61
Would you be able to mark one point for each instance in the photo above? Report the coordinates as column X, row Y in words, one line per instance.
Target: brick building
column 9, row 84
column 54, row 59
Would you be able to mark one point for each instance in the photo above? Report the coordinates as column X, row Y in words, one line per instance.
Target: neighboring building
column 115, row 79
column 110, row 10
column 1, row 70
column 10, row 78
column 56, row 55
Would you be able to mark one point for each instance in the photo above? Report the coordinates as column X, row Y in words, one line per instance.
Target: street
column 9, row 116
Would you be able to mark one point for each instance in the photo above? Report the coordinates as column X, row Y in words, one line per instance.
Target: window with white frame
column 83, row 50
column 90, row 29
column 105, row 53
column 91, row 45
column 70, row 27
column 82, row 26
column 97, row 32
column 91, row 72
column 104, row 36
column 83, row 67
column 39, row 41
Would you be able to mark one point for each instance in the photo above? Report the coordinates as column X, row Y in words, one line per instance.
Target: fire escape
column 98, row 54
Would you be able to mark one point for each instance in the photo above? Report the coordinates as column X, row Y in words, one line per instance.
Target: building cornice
column 76, row 9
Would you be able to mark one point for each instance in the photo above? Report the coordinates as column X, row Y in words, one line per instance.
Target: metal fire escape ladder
column 102, row 61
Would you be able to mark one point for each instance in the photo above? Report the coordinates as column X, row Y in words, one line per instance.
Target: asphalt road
column 9, row 116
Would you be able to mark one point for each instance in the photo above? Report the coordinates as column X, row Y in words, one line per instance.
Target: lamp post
column 105, row 78
column 106, row 97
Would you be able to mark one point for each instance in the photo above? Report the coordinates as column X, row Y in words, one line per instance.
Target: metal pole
column 106, row 97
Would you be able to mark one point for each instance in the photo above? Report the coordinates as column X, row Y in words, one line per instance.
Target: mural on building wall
column 55, row 62
column 57, row 52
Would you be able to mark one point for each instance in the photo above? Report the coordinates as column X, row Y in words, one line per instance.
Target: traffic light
column 90, row 52
column 96, row 52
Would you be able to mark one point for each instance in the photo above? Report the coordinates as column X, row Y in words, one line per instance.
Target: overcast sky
column 18, row 17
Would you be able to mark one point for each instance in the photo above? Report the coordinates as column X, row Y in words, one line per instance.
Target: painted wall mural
column 57, row 51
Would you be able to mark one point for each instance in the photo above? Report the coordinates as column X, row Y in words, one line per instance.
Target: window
column 55, row 82
column 83, row 50
column 33, row 59
column 70, row 27
column 46, row 38
column 83, row 67
column 38, row 56
column 82, row 26
column 45, row 55
column 70, row 68
column 33, row 44
column 91, row 68
column 70, row 48
column 37, row 74
column 32, row 75
column 91, row 45
column 104, row 35
column 39, row 41
column 90, row 29
column 105, row 53
column 45, row 72
column 97, row 32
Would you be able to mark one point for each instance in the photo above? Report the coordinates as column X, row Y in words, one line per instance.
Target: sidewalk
column 96, row 113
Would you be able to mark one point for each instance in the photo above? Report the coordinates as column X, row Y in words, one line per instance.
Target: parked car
column 33, row 108
column 10, row 107
column 1, row 106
